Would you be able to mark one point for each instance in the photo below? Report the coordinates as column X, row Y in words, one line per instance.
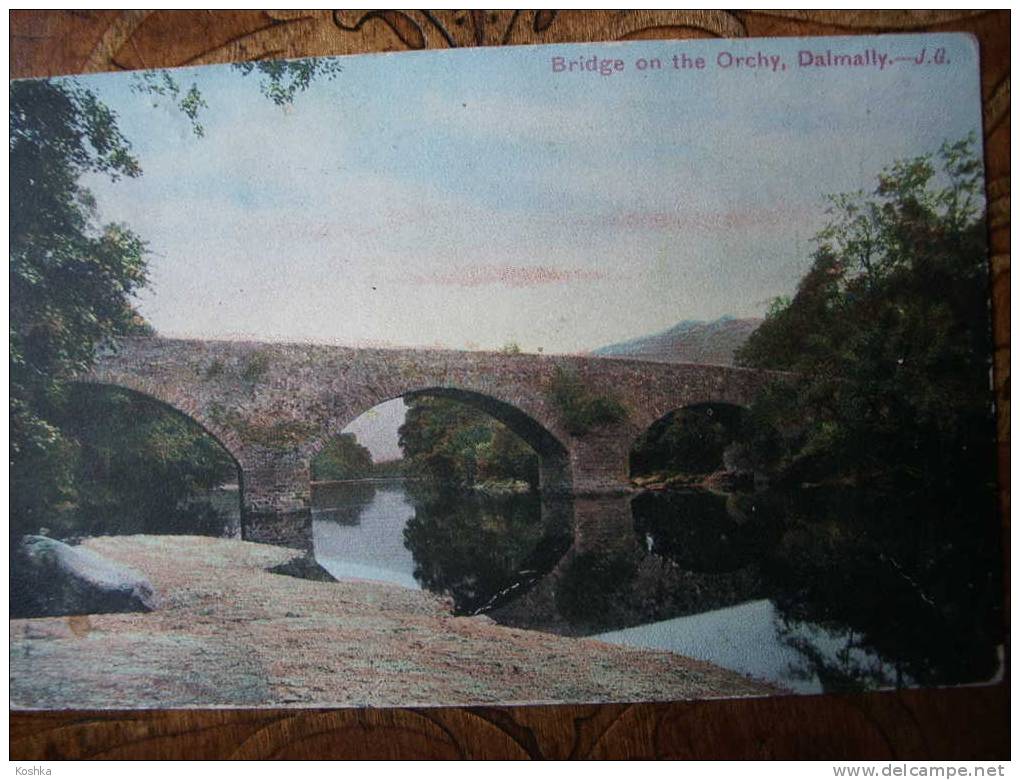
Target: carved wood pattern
column 953, row 723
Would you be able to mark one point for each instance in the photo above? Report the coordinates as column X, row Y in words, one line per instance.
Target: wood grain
column 961, row 723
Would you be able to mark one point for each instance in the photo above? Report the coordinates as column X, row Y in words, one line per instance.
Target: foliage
column 284, row 79
column 478, row 549
column 257, row 367
column 511, row 348
column 272, row 434
column 342, row 458
column 889, row 334
column 71, row 278
column 388, row 469
column 161, row 84
column 506, row 457
column 688, row 441
column 135, row 465
column 452, row 442
column 889, row 404
column 580, row 409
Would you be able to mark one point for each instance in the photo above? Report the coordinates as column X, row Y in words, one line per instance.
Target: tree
column 342, row 458
column 71, row 278
column 281, row 81
column 507, row 456
column 889, row 334
column 689, row 441
column 452, row 442
column 888, row 415
column 137, row 466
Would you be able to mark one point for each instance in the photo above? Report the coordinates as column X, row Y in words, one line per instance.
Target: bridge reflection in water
column 735, row 579
column 685, row 572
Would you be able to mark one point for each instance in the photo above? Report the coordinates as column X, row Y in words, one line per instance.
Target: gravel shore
column 228, row 633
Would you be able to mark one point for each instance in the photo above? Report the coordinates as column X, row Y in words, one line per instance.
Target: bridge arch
column 553, row 454
column 677, row 395
column 178, row 400
column 273, row 406
column 192, row 418
column 713, row 425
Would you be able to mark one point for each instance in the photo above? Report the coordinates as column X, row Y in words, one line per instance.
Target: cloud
column 507, row 276
column 713, row 222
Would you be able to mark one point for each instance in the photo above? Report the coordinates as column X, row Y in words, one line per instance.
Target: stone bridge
column 273, row 406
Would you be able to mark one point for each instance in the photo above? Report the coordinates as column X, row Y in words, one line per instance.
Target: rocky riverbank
column 228, row 632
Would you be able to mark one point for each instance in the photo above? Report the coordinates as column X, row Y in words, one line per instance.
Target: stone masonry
column 273, row 406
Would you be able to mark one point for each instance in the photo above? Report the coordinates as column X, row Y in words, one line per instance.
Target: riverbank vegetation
column 73, row 280
column 580, row 408
column 693, row 447
column 879, row 445
column 342, row 457
column 133, row 466
column 450, row 442
column 890, row 414
column 889, row 337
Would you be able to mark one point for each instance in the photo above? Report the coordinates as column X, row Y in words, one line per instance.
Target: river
column 773, row 586
column 685, row 576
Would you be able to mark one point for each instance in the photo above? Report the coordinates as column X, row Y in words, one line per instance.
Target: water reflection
column 703, row 531
column 637, row 562
column 480, row 550
column 483, row 550
column 753, row 638
column 775, row 585
column 344, row 502
column 913, row 580
column 358, row 531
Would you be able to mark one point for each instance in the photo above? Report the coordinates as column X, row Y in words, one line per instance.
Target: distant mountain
column 690, row 341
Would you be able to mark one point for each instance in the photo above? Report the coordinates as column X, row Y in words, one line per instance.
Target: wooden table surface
column 961, row 723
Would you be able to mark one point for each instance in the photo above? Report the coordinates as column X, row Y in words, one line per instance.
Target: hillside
column 690, row 341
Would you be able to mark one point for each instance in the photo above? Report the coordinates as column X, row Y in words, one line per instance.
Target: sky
column 379, row 429
column 476, row 198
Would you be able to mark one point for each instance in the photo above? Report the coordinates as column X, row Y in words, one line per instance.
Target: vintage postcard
column 578, row 373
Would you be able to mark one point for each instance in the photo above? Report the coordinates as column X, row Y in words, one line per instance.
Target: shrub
column 257, row 368
column 215, row 369
column 580, row 409
column 342, row 458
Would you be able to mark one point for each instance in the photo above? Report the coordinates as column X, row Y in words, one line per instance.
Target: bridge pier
column 250, row 395
column 600, row 463
column 554, row 476
column 603, row 523
column 276, row 500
